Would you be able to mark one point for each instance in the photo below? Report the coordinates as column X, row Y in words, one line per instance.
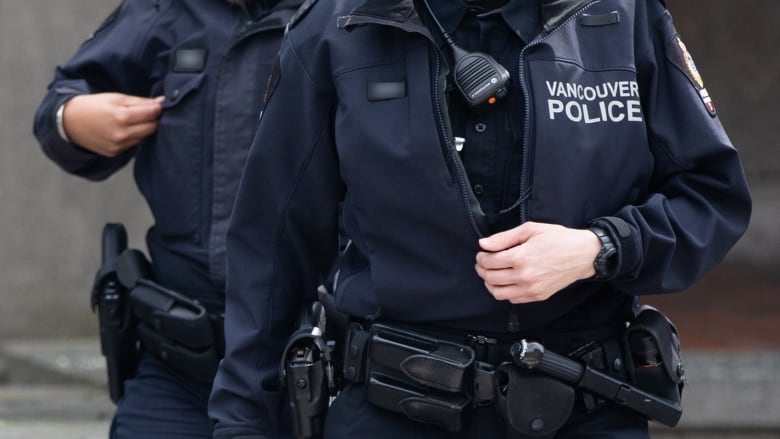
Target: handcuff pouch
column 531, row 404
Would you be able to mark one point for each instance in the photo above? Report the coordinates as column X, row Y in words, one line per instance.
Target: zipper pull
column 459, row 142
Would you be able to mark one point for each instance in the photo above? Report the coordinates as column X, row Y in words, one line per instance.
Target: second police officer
column 177, row 86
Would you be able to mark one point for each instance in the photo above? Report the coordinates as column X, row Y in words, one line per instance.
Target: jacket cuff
column 620, row 231
column 75, row 151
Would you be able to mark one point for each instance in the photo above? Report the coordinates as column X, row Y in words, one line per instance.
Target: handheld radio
column 480, row 79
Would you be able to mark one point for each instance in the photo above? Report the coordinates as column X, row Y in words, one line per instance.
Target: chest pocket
column 174, row 162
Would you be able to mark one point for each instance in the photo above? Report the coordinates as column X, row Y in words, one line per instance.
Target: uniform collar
column 552, row 12
column 555, row 12
column 523, row 16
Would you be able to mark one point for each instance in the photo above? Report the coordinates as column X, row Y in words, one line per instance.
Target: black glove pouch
column 654, row 347
column 532, row 405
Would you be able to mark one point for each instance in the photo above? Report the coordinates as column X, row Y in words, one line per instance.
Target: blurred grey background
column 50, row 222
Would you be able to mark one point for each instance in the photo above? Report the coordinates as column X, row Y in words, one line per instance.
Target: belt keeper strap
column 484, row 390
column 355, row 354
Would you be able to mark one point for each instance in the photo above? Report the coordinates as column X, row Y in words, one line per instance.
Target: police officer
column 599, row 172
column 178, row 86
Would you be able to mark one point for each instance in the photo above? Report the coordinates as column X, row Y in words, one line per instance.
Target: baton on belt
column 532, row 356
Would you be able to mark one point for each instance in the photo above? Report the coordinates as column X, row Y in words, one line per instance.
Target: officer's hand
column 109, row 123
column 533, row 261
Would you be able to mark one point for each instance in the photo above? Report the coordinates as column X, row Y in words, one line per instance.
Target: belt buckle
column 480, row 343
column 475, row 340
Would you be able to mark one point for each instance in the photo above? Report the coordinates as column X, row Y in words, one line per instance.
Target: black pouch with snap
column 654, row 347
column 422, row 377
column 531, row 404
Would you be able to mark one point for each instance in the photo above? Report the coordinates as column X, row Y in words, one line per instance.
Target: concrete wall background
column 50, row 222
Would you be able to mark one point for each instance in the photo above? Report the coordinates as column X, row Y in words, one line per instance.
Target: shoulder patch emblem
column 690, row 66
column 681, row 57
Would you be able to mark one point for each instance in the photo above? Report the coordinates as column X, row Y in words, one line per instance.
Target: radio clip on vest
column 480, row 79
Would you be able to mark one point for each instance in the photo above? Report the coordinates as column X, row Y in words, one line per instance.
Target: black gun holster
column 117, row 324
column 309, row 369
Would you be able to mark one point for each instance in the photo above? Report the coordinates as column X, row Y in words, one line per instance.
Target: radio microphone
column 480, row 79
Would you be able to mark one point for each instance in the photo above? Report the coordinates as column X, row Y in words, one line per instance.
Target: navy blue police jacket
column 619, row 132
column 210, row 59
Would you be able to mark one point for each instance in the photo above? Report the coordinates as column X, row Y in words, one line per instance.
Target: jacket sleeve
column 113, row 59
column 699, row 204
column 281, row 241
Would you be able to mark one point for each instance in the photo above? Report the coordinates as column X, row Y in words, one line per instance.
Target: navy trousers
column 352, row 416
column 162, row 403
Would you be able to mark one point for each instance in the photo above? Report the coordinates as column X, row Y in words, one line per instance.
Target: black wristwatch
column 606, row 261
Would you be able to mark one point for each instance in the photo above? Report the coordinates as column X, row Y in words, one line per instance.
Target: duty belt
column 437, row 376
column 437, row 380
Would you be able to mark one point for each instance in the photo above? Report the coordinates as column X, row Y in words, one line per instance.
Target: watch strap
column 605, row 262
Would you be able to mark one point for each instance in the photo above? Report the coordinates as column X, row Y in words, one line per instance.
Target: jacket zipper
column 514, row 313
column 450, row 150
column 527, row 103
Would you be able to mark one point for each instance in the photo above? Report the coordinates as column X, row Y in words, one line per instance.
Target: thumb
column 507, row 239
